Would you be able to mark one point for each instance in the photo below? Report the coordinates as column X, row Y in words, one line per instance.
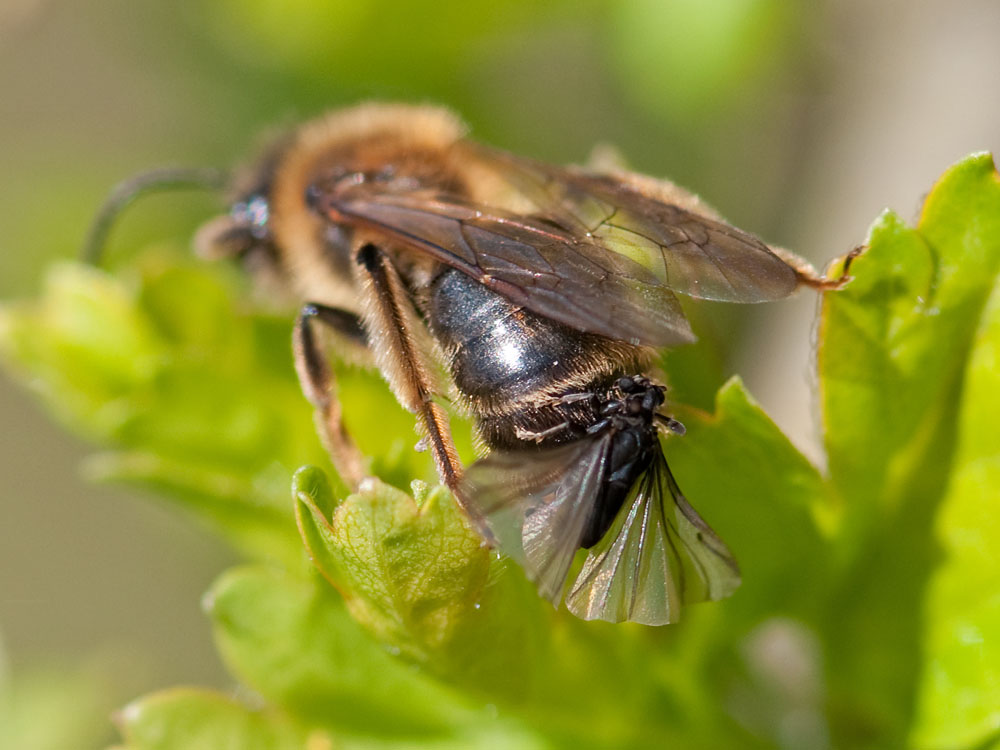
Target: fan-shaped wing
column 658, row 555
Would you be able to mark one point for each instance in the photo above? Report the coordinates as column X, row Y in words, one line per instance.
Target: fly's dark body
column 628, row 415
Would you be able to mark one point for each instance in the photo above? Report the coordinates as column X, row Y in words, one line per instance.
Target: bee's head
column 244, row 231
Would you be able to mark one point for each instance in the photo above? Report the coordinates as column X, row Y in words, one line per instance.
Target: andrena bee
column 541, row 293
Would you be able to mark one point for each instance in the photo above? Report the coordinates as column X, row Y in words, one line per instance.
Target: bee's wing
column 688, row 251
column 658, row 555
column 552, row 272
column 535, row 505
column 594, row 251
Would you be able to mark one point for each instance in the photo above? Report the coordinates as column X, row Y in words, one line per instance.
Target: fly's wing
column 535, row 505
column 687, row 251
column 556, row 273
column 658, row 555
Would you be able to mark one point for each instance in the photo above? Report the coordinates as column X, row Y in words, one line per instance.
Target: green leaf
column 420, row 580
column 763, row 497
column 411, row 570
column 894, row 343
column 191, row 393
column 193, row 719
column 959, row 690
column 81, row 346
column 294, row 642
column 894, row 347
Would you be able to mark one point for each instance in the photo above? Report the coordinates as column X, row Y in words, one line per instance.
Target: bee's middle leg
column 319, row 384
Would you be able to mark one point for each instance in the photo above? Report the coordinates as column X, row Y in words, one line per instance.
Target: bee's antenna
column 153, row 181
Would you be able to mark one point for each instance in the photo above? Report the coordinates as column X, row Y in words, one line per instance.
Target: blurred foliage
column 870, row 607
column 54, row 707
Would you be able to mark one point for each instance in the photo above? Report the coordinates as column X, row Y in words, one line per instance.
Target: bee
column 530, row 296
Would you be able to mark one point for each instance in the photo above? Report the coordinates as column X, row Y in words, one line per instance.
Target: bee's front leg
column 319, row 384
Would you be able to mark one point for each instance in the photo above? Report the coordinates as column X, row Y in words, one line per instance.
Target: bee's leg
column 319, row 385
column 400, row 342
column 538, row 436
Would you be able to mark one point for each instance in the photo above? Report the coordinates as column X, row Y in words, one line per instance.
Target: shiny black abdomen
column 498, row 351
column 501, row 355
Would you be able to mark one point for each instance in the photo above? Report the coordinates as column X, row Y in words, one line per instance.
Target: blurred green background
column 799, row 121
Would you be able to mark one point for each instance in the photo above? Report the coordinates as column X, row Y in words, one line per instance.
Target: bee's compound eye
column 254, row 213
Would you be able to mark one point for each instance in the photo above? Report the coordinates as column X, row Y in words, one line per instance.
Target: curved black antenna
column 153, row 181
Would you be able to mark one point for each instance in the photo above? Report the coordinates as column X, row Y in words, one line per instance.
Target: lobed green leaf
column 959, row 688
column 764, row 498
column 894, row 348
column 421, row 580
column 155, row 367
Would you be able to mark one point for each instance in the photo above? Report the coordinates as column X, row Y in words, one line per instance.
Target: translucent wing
column 596, row 252
column 687, row 251
column 545, row 268
column 536, row 504
column 658, row 555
